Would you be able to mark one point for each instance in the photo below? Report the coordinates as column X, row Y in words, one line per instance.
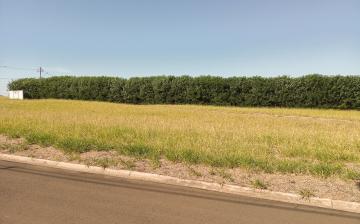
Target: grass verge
column 307, row 141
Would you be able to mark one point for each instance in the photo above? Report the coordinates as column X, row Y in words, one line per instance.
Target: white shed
column 16, row 95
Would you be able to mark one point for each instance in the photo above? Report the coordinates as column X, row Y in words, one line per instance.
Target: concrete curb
column 225, row 188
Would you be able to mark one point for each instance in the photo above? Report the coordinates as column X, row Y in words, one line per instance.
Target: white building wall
column 16, row 95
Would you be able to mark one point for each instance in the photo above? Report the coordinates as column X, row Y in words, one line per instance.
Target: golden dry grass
column 312, row 141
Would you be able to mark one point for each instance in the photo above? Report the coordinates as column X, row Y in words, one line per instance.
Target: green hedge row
column 307, row 91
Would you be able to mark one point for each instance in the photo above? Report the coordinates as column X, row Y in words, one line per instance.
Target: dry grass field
column 307, row 141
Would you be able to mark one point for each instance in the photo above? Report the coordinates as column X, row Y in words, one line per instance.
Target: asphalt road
column 31, row 194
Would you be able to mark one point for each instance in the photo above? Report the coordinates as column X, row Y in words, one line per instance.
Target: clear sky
column 175, row 37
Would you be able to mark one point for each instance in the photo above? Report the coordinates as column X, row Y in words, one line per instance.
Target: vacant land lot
column 308, row 141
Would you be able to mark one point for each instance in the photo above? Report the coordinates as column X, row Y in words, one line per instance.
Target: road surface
column 32, row 194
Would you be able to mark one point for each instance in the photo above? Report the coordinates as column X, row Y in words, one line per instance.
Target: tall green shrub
column 307, row 91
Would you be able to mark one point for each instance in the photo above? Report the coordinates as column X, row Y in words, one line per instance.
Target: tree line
column 317, row 91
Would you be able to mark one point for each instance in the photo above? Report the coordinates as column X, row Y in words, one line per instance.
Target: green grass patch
column 259, row 184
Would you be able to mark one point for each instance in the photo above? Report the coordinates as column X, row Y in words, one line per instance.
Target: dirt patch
column 334, row 188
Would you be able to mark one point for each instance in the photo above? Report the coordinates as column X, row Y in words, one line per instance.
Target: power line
column 16, row 68
column 37, row 69
column 40, row 69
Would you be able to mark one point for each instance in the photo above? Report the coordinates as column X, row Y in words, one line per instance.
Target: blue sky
column 194, row 37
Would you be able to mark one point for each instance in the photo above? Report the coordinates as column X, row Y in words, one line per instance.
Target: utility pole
column 40, row 70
